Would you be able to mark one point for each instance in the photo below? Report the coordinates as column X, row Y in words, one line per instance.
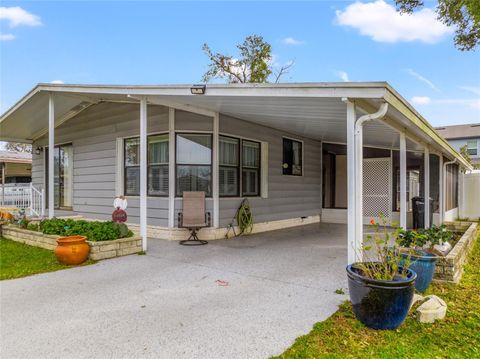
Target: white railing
column 22, row 196
column 36, row 201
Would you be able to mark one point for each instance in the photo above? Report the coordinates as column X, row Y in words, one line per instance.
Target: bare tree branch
column 285, row 69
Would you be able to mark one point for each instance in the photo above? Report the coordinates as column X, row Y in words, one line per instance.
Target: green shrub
column 33, row 227
column 420, row 237
column 93, row 230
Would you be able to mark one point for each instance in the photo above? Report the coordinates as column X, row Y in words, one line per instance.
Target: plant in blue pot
column 424, row 256
column 381, row 287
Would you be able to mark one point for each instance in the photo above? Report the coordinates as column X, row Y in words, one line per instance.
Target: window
column 157, row 171
column 194, row 163
column 250, row 168
column 158, row 165
column 132, row 166
column 472, row 147
column 239, row 167
column 292, row 157
column 229, row 162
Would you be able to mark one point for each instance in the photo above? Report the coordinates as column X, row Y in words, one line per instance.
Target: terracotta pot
column 72, row 250
column 7, row 216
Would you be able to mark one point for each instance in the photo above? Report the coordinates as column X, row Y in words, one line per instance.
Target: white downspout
column 444, row 186
column 358, row 137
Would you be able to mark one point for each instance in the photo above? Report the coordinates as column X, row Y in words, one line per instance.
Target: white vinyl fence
column 22, row 196
column 470, row 206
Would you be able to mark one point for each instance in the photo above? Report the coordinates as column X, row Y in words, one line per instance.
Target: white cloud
column 57, row 82
column 383, row 23
column 292, row 41
column 423, row 79
column 421, row 100
column 17, row 16
column 473, row 89
column 343, row 76
column 7, row 37
column 475, row 104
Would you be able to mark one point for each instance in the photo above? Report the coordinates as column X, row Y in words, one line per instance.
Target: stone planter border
column 450, row 267
column 98, row 250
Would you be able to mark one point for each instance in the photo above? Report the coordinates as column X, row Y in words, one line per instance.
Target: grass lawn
column 458, row 336
column 21, row 260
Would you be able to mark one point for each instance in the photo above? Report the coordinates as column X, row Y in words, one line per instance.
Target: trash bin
column 418, row 212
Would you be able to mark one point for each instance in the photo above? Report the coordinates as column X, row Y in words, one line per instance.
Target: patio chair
column 193, row 217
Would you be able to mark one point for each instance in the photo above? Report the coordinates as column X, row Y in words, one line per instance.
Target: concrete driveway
column 244, row 298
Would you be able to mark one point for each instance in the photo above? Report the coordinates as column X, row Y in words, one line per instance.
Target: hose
column 245, row 217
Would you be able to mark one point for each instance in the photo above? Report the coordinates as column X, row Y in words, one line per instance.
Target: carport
column 355, row 115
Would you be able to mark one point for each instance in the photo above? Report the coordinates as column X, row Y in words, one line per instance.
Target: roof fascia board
column 393, row 98
column 252, row 91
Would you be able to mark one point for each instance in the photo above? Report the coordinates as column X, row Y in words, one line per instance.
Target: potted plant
column 381, row 290
column 424, row 256
column 72, row 250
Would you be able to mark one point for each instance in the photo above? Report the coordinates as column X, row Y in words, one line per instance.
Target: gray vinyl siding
column 93, row 134
column 288, row 196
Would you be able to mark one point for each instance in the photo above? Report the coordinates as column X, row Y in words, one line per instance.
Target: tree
column 18, row 147
column 466, row 155
column 462, row 14
column 254, row 65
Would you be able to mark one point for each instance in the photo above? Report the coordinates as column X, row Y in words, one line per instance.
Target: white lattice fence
column 377, row 188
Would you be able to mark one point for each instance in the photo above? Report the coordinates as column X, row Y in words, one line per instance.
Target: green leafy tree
column 253, row 65
column 466, row 155
column 464, row 15
column 18, row 147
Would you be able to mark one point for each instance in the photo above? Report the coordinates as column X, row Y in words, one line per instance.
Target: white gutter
column 358, row 158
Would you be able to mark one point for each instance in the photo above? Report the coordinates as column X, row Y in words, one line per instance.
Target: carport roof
column 315, row 110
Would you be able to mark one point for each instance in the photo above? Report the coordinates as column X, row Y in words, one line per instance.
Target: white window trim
column 263, row 171
column 120, row 165
column 303, row 156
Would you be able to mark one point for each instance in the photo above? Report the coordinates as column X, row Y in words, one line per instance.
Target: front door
column 62, row 176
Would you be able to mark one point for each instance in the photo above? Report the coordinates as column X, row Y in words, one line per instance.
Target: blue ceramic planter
column 423, row 264
column 380, row 304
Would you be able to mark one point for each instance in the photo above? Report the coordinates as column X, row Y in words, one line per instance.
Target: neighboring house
column 302, row 153
column 16, row 167
column 15, row 179
column 461, row 135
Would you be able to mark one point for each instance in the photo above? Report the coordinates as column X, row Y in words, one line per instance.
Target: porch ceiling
column 312, row 110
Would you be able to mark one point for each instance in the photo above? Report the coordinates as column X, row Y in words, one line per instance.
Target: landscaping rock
column 416, row 298
column 432, row 309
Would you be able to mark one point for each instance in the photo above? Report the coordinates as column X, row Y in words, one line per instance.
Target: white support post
column 3, row 184
column 351, row 208
column 171, row 167
column 42, row 203
column 426, row 191
column 143, row 171
column 215, row 179
column 440, row 190
column 321, row 180
column 359, row 191
column 51, row 155
column 403, row 181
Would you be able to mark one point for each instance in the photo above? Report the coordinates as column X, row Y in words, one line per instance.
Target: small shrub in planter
column 93, row 230
column 424, row 258
column 381, row 290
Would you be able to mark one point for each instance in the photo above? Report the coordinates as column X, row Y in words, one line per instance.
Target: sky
column 156, row 42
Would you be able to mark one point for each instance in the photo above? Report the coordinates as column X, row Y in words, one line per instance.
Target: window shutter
column 119, row 168
column 264, row 169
